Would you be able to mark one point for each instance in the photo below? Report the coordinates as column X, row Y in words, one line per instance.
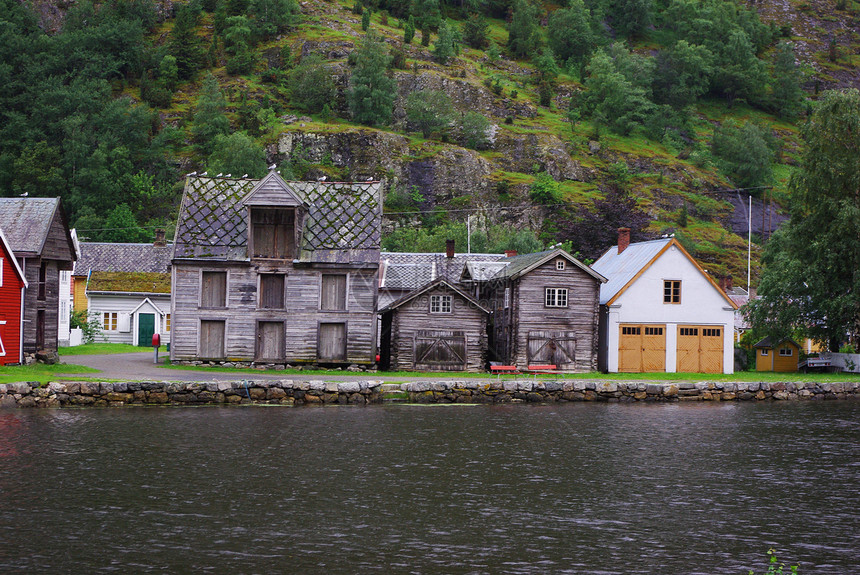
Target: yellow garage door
column 700, row 349
column 642, row 348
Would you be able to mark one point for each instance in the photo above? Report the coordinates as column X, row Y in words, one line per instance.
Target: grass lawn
column 103, row 349
column 41, row 372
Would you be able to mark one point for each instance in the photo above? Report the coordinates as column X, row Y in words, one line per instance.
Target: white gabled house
column 661, row 312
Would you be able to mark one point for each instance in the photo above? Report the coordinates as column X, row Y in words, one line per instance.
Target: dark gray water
column 581, row 488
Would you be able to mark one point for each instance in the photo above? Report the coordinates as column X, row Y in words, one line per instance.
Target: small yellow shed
column 783, row 357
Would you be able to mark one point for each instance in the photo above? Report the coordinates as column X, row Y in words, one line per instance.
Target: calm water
column 658, row 489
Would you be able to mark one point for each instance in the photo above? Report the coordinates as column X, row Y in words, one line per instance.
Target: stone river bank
column 295, row 392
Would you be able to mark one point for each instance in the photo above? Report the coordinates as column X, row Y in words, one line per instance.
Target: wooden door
column 332, row 342
column 439, row 350
column 556, row 348
column 145, row 329
column 212, row 339
column 700, row 349
column 630, row 349
column 270, row 340
column 642, row 348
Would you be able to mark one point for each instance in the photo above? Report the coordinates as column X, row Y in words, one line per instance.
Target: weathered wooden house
column 127, row 287
column 661, row 312
column 438, row 327
column 545, row 310
column 12, row 287
column 781, row 358
column 276, row 272
column 39, row 235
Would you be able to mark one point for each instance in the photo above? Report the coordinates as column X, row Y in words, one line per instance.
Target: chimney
column 510, row 253
column 449, row 248
column 159, row 242
column 623, row 239
column 726, row 283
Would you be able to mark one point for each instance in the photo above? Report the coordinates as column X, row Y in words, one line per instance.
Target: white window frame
column 765, row 353
column 559, row 265
column 2, row 347
column 441, row 304
column 112, row 319
column 507, row 297
column 2, row 261
column 555, row 297
column 788, row 349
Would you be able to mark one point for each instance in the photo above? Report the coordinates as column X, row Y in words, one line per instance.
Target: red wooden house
column 12, row 285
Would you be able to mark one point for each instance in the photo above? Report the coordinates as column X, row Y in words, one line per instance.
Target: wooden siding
column 126, row 304
column 528, row 314
column 50, row 306
column 775, row 362
column 413, row 326
column 57, row 245
column 301, row 313
column 79, row 293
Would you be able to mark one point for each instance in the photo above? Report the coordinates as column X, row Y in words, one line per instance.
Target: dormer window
column 273, row 233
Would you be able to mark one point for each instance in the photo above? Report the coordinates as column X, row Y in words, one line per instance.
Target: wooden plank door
column 211, row 339
column 630, row 349
column 439, row 350
column 688, row 348
column 711, row 350
column 145, row 329
column 552, row 348
column 270, row 340
column 332, row 342
column 653, row 348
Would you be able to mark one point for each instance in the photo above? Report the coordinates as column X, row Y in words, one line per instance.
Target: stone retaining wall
column 284, row 392
column 290, row 392
column 580, row 390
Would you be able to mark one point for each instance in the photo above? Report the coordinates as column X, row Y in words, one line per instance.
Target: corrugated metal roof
column 106, row 257
column 620, row 269
column 26, row 222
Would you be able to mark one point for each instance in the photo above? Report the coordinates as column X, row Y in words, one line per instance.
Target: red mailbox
column 156, row 340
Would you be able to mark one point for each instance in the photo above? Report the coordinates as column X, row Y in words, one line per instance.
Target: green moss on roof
column 138, row 282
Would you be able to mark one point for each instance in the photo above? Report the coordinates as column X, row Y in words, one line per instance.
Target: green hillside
column 543, row 123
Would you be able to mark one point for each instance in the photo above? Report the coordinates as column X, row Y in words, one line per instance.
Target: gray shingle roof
column 26, row 222
column 429, row 286
column 620, row 269
column 105, row 257
column 411, row 270
column 519, row 265
column 342, row 224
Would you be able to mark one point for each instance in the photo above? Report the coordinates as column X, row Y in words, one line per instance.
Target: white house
column 661, row 312
column 127, row 287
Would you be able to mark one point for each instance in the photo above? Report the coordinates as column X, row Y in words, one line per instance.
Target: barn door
column 556, row 348
column 700, row 349
column 332, row 342
column 642, row 348
column 270, row 340
column 440, row 350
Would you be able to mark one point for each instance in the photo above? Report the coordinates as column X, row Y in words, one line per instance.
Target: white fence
column 846, row 361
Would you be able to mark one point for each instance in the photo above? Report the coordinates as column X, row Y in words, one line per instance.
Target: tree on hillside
column 630, row 17
column 122, row 226
column 429, row 111
column 209, row 118
column 744, row 153
column 443, row 50
column 739, row 73
column 476, row 32
column 786, row 94
column 311, row 85
column 811, row 275
column 272, row 17
column 237, row 154
column 613, row 99
column 475, row 131
column 237, row 43
column 371, row 92
column 184, row 44
column 523, row 31
column 682, row 74
column 569, row 33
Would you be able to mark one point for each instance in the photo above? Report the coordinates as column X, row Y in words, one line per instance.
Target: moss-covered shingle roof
column 130, row 282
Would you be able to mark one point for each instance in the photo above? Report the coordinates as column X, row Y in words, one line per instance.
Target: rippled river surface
column 580, row 488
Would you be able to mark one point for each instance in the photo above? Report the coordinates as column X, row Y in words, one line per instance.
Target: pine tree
column 523, row 33
column 443, row 51
column 184, row 44
column 786, row 94
column 409, row 31
column 209, row 118
column 371, row 92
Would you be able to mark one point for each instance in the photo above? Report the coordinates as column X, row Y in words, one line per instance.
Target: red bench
column 536, row 369
column 500, row 369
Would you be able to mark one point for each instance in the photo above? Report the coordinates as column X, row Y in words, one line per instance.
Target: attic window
column 273, row 233
column 671, row 291
column 559, row 265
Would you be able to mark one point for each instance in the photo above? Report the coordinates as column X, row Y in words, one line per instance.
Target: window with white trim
column 507, row 297
column 559, row 265
column 764, row 353
column 785, row 352
column 167, row 322
column 1, row 271
column 440, row 304
column 2, row 347
column 109, row 320
column 555, row 297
